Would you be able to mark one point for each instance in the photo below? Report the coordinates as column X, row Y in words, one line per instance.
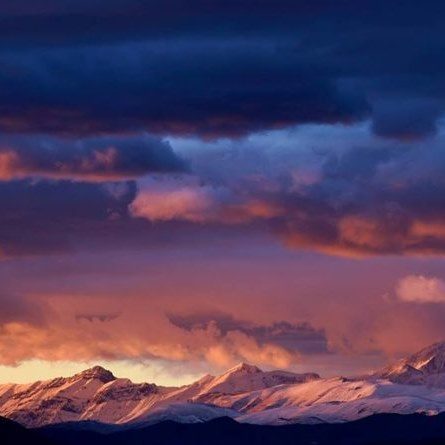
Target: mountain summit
column 97, row 372
column 424, row 367
column 245, row 377
column 244, row 368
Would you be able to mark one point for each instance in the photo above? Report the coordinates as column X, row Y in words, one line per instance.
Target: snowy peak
column 244, row 378
column 96, row 373
column 430, row 360
column 243, row 368
column 425, row 366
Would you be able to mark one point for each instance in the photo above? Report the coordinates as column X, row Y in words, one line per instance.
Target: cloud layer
column 356, row 201
column 95, row 159
column 121, row 335
column 268, row 66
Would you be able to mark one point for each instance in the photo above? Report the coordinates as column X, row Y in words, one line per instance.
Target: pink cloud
column 421, row 289
column 175, row 199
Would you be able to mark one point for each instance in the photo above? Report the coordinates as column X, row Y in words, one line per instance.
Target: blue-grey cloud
column 91, row 159
column 221, row 69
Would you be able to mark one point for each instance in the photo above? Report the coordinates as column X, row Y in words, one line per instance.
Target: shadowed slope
column 375, row 430
column 11, row 433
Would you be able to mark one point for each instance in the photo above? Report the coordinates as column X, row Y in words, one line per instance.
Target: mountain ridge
column 96, row 394
column 245, row 393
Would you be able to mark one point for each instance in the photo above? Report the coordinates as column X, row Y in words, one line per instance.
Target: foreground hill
column 11, row 433
column 383, row 429
column 245, row 393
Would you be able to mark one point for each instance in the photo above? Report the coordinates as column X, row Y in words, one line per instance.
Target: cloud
column 421, row 289
column 78, row 97
column 274, row 67
column 350, row 325
column 47, row 217
column 301, row 338
column 100, row 317
column 186, row 198
column 360, row 201
column 93, row 160
column 370, row 201
column 18, row 308
column 67, row 22
column 164, row 88
column 68, row 334
column 406, row 118
column 176, row 199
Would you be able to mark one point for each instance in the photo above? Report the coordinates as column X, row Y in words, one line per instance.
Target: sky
column 189, row 185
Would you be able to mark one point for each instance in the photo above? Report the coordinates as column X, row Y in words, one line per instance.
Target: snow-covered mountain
column 93, row 394
column 96, row 394
column 244, row 378
column 244, row 392
column 339, row 400
column 426, row 367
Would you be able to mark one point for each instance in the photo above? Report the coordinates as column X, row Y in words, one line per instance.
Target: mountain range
column 245, row 393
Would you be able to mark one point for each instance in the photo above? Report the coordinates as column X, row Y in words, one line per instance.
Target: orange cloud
column 9, row 165
column 139, row 332
column 358, row 236
column 187, row 199
column 188, row 202
column 433, row 229
column 94, row 167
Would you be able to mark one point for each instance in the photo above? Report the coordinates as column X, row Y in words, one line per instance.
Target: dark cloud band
column 210, row 69
column 94, row 159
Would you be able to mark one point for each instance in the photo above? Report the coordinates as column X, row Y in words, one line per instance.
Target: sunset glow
column 185, row 186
